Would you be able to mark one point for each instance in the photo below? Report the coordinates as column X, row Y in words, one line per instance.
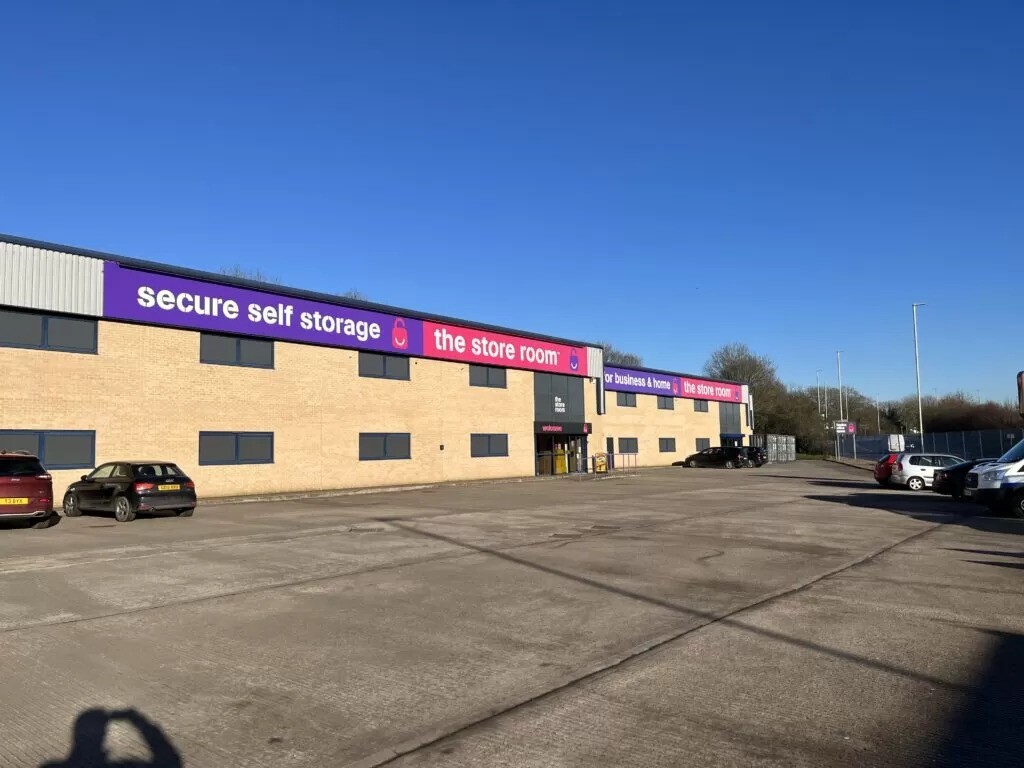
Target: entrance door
column 610, row 447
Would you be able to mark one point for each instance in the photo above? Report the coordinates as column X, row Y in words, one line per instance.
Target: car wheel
column 729, row 465
column 693, row 464
column 70, row 507
column 958, row 494
column 915, row 484
column 187, row 512
column 1017, row 508
column 749, row 464
column 123, row 511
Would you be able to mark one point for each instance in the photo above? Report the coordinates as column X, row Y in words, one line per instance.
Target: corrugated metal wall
column 36, row 278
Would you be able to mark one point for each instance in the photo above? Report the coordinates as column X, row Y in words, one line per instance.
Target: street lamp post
column 817, row 376
column 917, row 370
column 839, row 366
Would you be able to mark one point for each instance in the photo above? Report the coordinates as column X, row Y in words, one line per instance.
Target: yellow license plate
column 170, row 487
column 13, row 502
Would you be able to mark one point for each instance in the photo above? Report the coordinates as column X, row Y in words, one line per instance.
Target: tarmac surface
column 792, row 615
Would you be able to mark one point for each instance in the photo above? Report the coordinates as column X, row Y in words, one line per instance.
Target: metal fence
column 779, row 448
column 567, row 463
column 975, row 444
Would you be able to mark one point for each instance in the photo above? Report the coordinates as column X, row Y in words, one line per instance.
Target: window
column 487, row 376
column 626, row 399
column 56, row 449
column 629, row 445
column 488, row 445
column 700, row 406
column 703, row 443
column 236, row 447
column 60, row 334
column 216, row 349
column 380, row 446
column 156, row 470
column 667, row 444
column 666, row 403
column 374, row 365
column 103, row 472
column 921, row 461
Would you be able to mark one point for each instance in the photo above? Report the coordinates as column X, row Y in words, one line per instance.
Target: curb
column 849, row 464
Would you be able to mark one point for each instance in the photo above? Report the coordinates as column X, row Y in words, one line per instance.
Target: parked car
column 883, row 468
column 1012, row 499
column 26, row 489
column 985, row 483
column 916, row 471
column 950, row 481
column 756, row 457
column 728, row 457
column 129, row 487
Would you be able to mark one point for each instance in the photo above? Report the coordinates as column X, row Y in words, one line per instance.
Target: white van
column 985, row 482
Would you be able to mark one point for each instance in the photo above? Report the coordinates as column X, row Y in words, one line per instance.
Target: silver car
column 916, row 471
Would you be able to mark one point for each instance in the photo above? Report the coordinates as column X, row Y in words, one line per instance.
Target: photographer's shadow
column 89, row 735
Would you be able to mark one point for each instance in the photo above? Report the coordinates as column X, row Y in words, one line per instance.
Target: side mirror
column 85, row 477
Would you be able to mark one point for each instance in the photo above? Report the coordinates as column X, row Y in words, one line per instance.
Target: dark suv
column 756, row 457
column 26, row 489
column 129, row 487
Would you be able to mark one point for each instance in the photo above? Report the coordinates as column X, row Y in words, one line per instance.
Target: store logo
column 399, row 334
column 574, row 361
column 675, row 386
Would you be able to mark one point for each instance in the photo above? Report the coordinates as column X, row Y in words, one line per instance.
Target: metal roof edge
column 297, row 293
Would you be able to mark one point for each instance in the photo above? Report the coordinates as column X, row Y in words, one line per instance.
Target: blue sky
column 669, row 176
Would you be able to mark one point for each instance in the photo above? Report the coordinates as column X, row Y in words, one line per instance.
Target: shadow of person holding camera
column 89, row 735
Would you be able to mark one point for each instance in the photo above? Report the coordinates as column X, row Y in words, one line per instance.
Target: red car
column 883, row 468
column 26, row 490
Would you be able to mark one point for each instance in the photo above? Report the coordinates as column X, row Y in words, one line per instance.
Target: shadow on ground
column 927, row 510
column 88, row 742
column 986, row 728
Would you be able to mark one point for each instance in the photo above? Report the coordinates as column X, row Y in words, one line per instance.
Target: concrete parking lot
column 793, row 615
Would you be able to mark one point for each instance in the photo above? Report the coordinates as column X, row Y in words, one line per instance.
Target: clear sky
column 669, row 176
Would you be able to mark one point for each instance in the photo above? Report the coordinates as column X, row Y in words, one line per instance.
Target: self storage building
column 256, row 388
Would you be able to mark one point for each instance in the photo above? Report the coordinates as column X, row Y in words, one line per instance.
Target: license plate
column 170, row 487
column 968, row 492
column 13, row 502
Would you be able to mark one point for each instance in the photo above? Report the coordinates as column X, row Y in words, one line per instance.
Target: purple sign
column 148, row 297
column 641, row 382
column 647, row 383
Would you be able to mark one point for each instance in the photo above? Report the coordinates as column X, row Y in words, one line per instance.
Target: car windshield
column 1014, row 454
column 156, row 470
column 20, row 468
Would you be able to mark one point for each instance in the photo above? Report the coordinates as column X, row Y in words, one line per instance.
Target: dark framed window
column 700, row 406
column 629, row 445
column 488, row 376
column 384, row 446
column 217, row 349
column 31, row 330
column 626, row 399
column 374, row 365
column 56, row 448
column 703, row 443
column 667, row 444
column 488, row 445
column 666, row 403
column 236, row 448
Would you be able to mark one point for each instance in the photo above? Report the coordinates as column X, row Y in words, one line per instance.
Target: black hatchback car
column 950, row 481
column 728, row 457
column 129, row 487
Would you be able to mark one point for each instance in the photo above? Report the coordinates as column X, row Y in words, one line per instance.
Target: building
column 254, row 388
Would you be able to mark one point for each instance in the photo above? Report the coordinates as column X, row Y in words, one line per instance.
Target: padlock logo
column 574, row 361
column 399, row 334
column 675, row 386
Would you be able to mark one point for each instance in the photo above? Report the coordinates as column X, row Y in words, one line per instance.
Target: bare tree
column 355, row 295
column 613, row 356
column 246, row 273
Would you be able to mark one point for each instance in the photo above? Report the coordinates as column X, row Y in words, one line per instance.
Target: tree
column 736, row 362
column 259, row 276
column 613, row 356
column 245, row 273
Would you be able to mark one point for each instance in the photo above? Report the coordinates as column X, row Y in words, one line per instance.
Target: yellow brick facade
column 647, row 423
column 147, row 396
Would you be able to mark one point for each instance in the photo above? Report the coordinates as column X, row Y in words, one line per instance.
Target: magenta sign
column 648, row 383
column 149, row 297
